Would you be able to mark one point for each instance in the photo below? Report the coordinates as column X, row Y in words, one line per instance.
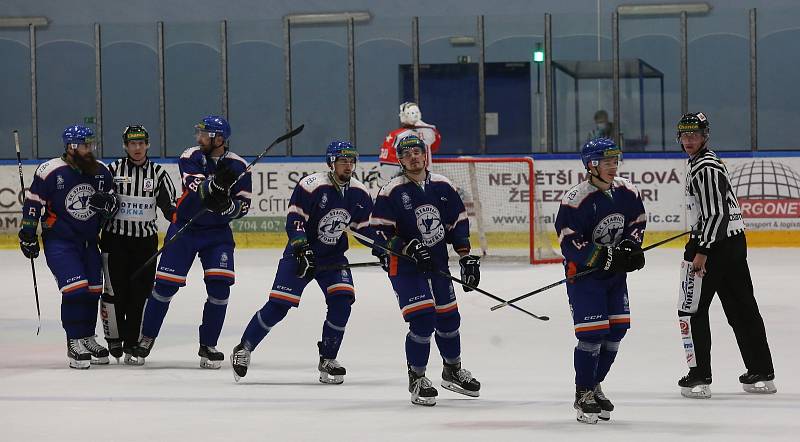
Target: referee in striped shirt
column 130, row 239
column 718, row 256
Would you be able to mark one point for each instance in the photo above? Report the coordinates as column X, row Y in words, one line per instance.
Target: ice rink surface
column 524, row 365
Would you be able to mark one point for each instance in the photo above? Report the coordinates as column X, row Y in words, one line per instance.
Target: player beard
column 86, row 163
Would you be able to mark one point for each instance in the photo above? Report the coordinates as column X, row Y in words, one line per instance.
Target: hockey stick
column 33, row 267
column 373, row 244
column 202, row 211
column 583, row 273
column 349, row 266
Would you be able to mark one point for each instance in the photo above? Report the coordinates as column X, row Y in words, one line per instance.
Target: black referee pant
column 729, row 276
column 125, row 255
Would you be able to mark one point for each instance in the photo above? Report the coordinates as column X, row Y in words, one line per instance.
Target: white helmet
column 409, row 113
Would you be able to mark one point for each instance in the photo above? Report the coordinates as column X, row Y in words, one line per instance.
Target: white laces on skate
column 331, row 363
column 588, row 397
column 92, row 345
column 422, row 382
column 598, row 393
column 146, row 342
column 463, row 375
column 241, row 357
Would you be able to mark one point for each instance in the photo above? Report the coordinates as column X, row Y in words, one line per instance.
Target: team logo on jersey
column 77, row 202
column 608, row 230
column 406, row 199
column 429, row 223
column 332, row 225
column 148, row 185
column 323, row 201
column 223, row 260
column 59, row 182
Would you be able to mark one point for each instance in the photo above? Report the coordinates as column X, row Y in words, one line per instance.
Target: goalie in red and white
column 410, row 124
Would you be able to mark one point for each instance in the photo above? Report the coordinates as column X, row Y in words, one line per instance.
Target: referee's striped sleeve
column 165, row 197
column 711, row 185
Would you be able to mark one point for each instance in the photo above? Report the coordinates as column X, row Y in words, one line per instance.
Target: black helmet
column 135, row 132
column 693, row 122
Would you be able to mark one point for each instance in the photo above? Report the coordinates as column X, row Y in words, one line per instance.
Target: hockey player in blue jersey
column 73, row 196
column 417, row 214
column 600, row 224
column 321, row 207
column 208, row 174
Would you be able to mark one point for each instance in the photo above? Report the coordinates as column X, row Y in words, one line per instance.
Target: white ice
column 524, row 365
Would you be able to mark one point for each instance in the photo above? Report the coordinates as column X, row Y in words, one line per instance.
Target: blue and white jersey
column 59, row 196
column 431, row 212
column 320, row 210
column 590, row 219
column 195, row 167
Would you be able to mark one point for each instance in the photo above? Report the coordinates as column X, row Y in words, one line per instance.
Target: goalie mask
column 410, row 114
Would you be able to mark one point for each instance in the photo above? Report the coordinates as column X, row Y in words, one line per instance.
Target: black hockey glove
column 470, row 271
column 224, row 177
column 420, row 253
column 383, row 257
column 306, row 261
column 214, row 198
column 106, row 204
column 635, row 255
column 29, row 244
column 613, row 259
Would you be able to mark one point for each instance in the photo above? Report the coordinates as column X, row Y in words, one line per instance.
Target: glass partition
column 719, row 76
column 383, row 49
column 256, row 85
column 778, row 74
column 448, row 81
column 193, row 80
column 129, row 54
column 15, row 114
column 319, row 86
column 66, row 84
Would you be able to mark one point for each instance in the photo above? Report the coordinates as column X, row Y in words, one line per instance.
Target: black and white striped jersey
column 710, row 202
column 141, row 189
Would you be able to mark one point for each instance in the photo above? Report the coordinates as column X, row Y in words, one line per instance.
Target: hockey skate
column 695, row 387
column 210, row 357
column 77, row 354
column 606, row 407
column 140, row 351
column 455, row 378
column 115, row 348
column 98, row 352
column 421, row 389
column 331, row 371
column 240, row 360
column 758, row 383
column 586, row 406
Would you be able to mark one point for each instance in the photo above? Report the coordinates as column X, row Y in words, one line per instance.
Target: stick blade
column 290, row 134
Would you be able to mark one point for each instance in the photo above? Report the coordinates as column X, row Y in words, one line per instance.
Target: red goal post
column 501, row 202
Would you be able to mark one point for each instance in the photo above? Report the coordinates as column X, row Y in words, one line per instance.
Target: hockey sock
column 214, row 311
column 155, row 308
column 262, row 322
column 78, row 313
column 418, row 340
column 335, row 322
column 587, row 353
column 447, row 337
column 608, row 352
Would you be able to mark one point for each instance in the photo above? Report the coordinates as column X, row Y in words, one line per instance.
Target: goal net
column 501, row 202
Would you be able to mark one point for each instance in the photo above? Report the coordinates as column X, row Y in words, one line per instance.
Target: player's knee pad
column 421, row 327
column 447, row 324
column 590, row 344
column 273, row 312
column 338, row 310
column 218, row 291
column 164, row 292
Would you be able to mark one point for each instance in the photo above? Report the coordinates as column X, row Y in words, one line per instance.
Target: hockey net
column 503, row 207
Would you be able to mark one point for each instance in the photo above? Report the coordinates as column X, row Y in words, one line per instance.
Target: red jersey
column 427, row 133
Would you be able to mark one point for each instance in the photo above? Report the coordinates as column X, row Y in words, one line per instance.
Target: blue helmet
column 214, row 124
column 340, row 149
column 598, row 148
column 77, row 134
column 409, row 142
